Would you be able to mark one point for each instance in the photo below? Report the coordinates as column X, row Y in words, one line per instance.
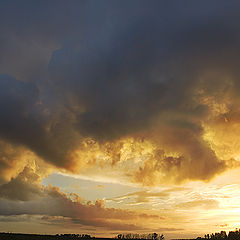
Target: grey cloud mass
column 52, row 204
column 112, row 69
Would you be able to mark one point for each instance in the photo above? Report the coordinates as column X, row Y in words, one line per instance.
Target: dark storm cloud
column 30, row 32
column 131, row 71
column 24, row 120
column 118, row 68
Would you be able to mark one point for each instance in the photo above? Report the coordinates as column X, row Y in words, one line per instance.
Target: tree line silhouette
column 19, row 236
column 232, row 235
column 149, row 236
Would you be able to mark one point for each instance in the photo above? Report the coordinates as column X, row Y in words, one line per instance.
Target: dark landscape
column 232, row 235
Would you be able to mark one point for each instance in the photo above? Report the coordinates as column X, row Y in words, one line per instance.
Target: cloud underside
column 52, row 206
column 148, row 99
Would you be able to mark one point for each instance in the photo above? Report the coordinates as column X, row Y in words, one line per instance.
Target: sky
column 119, row 117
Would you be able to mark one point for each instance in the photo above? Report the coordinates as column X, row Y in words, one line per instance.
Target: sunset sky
column 120, row 116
